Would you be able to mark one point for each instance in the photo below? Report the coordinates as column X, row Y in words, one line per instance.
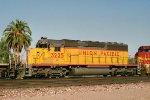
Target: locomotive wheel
column 104, row 75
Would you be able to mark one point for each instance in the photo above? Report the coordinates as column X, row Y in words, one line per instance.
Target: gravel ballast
column 133, row 91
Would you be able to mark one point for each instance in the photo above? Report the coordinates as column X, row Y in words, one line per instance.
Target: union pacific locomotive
column 60, row 58
column 66, row 57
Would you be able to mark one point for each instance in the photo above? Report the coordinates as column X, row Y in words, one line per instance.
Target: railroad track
column 62, row 82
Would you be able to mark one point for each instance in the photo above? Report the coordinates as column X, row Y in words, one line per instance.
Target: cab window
column 42, row 45
column 57, row 48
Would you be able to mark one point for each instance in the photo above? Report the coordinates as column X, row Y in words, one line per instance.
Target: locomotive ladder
column 139, row 68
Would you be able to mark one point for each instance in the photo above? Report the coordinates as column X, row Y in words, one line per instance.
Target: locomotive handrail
column 100, row 59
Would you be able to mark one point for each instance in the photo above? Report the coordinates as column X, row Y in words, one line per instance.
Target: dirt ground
column 132, row 91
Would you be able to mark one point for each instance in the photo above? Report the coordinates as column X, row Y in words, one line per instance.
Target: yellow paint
column 76, row 56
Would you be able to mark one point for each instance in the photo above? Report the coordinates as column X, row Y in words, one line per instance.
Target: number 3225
column 57, row 55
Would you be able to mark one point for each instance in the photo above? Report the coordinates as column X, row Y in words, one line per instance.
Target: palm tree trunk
column 14, row 57
column 18, row 58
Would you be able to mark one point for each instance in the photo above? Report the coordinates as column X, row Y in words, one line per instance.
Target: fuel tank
column 90, row 71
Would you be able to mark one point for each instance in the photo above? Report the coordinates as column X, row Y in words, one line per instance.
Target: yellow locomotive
column 75, row 57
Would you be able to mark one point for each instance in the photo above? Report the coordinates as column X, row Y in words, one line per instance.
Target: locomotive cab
column 45, row 58
column 47, row 52
column 143, row 59
column 143, row 55
column 43, row 43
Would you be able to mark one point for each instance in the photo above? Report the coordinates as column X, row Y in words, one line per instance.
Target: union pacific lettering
column 102, row 53
column 89, row 52
column 110, row 53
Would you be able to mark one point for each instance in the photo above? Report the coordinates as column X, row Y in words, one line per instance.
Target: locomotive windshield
column 42, row 46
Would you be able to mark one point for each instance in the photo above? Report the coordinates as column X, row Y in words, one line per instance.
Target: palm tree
column 4, row 52
column 18, row 36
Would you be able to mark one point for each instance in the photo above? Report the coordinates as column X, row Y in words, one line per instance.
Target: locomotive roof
column 79, row 43
column 144, row 47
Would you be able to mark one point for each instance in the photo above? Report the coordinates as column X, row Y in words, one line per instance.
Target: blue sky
column 125, row 21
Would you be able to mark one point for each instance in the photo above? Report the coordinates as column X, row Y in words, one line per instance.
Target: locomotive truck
column 60, row 58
